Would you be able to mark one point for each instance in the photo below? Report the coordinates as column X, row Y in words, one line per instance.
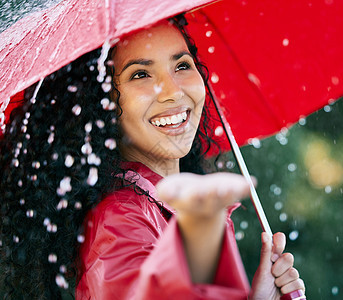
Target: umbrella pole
column 244, row 170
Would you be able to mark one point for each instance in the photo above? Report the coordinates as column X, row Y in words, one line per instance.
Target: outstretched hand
column 275, row 275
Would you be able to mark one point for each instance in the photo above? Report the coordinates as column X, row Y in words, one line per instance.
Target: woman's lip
column 170, row 112
column 173, row 131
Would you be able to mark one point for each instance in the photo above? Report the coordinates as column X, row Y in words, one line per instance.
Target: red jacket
column 132, row 252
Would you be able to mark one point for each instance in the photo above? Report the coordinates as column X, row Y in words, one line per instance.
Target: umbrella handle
column 295, row 295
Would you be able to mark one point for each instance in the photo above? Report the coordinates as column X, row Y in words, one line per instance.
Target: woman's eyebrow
column 180, row 54
column 140, row 61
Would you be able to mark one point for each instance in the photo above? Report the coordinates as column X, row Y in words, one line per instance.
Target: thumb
column 266, row 251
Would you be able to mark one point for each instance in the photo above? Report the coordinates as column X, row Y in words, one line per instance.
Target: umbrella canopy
column 269, row 64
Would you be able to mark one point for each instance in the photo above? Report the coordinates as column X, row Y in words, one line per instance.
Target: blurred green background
column 300, row 184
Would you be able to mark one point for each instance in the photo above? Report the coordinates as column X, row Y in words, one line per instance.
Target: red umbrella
column 269, row 64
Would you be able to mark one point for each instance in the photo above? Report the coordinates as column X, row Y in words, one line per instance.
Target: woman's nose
column 168, row 89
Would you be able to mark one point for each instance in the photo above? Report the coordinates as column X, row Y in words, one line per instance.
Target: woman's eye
column 183, row 66
column 139, row 75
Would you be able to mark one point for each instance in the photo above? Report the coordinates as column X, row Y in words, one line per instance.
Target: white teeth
column 174, row 119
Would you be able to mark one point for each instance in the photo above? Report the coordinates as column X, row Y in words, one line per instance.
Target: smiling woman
column 126, row 222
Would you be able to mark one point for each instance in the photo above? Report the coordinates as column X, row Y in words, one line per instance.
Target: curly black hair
column 58, row 159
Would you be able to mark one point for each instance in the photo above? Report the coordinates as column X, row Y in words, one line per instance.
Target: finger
column 266, row 250
column 297, row 284
column 282, row 264
column 279, row 244
column 287, row 277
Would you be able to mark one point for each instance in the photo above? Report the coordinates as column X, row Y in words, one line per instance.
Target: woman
column 65, row 170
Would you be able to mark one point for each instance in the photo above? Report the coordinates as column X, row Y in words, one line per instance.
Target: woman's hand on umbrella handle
column 276, row 275
column 201, row 202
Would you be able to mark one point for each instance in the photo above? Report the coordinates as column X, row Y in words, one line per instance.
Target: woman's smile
column 161, row 95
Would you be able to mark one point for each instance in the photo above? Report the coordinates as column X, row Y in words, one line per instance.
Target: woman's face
column 161, row 94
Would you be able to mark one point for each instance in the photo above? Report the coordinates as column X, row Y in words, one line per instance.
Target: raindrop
column 328, row 189
column 27, row 115
column 52, row 228
column 64, row 187
column 33, row 177
column 63, row 204
column 22, row 201
column 93, row 159
column 211, row 49
column 255, row 142
column 285, row 42
column 293, row 235
column 61, row 282
column 148, row 46
column 214, row 78
column 36, row 164
column 208, row 33
column 220, row 164
column 80, row 238
column 30, row 213
column 54, row 156
column 69, row 161
column 25, row 122
column 88, row 127
column 254, row 79
column 63, row 269
column 78, row 205
column 337, row 239
column 106, row 87
column 46, row 222
column 107, row 104
column 275, row 189
column 110, row 144
column 239, row 235
column 23, row 128
column 51, row 138
column 327, row 108
column 283, row 217
column 91, row 68
column 158, row 89
column 15, row 239
column 72, row 88
column 27, row 136
column 53, row 101
column 52, row 258
column 219, row 131
column 230, row 164
column 100, row 124
column 302, row 121
column 76, row 110
column 20, row 183
column 86, row 149
column 335, row 80
column 92, row 177
column 278, row 205
column 292, row 167
column 335, row 290
column 15, row 163
column 244, row 224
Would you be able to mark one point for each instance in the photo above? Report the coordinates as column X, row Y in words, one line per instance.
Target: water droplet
column 230, row 164
column 69, row 161
column 76, row 110
column 23, row 128
column 158, row 88
column 61, row 282
column 72, row 88
column 15, row 163
column 255, row 142
column 63, row 204
column 110, row 144
column 86, row 149
column 64, row 187
column 107, row 104
column 25, row 121
column 244, row 224
column 20, row 183
column 285, row 42
column 100, row 123
column 51, row 138
column 36, row 164
column 293, row 235
column 22, row 201
column 214, row 78
column 219, row 131
column 92, row 177
column 327, row 108
column 254, row 79
column 46, row 222
column 106, row 87
column 302, row 121
column 16, row 239
column 335, row 290
column 283, row 217
column 30, row 213
column 292, row 167
column 93, row 159
column 208, row 33
column 51, row 228
column 88, row 127
column 275, row 189
column 78, row 205
column 80, row 238
column 211, row 49
column 220, row 164
column 328, row 189
column 63, row 269
column 278, row 205
column 239, row 235
column 52, row 258
column 54, row 156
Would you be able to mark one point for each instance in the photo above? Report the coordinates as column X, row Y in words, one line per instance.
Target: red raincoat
column 132, row 252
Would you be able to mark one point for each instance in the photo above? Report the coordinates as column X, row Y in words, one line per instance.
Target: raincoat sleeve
column 126, row 255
